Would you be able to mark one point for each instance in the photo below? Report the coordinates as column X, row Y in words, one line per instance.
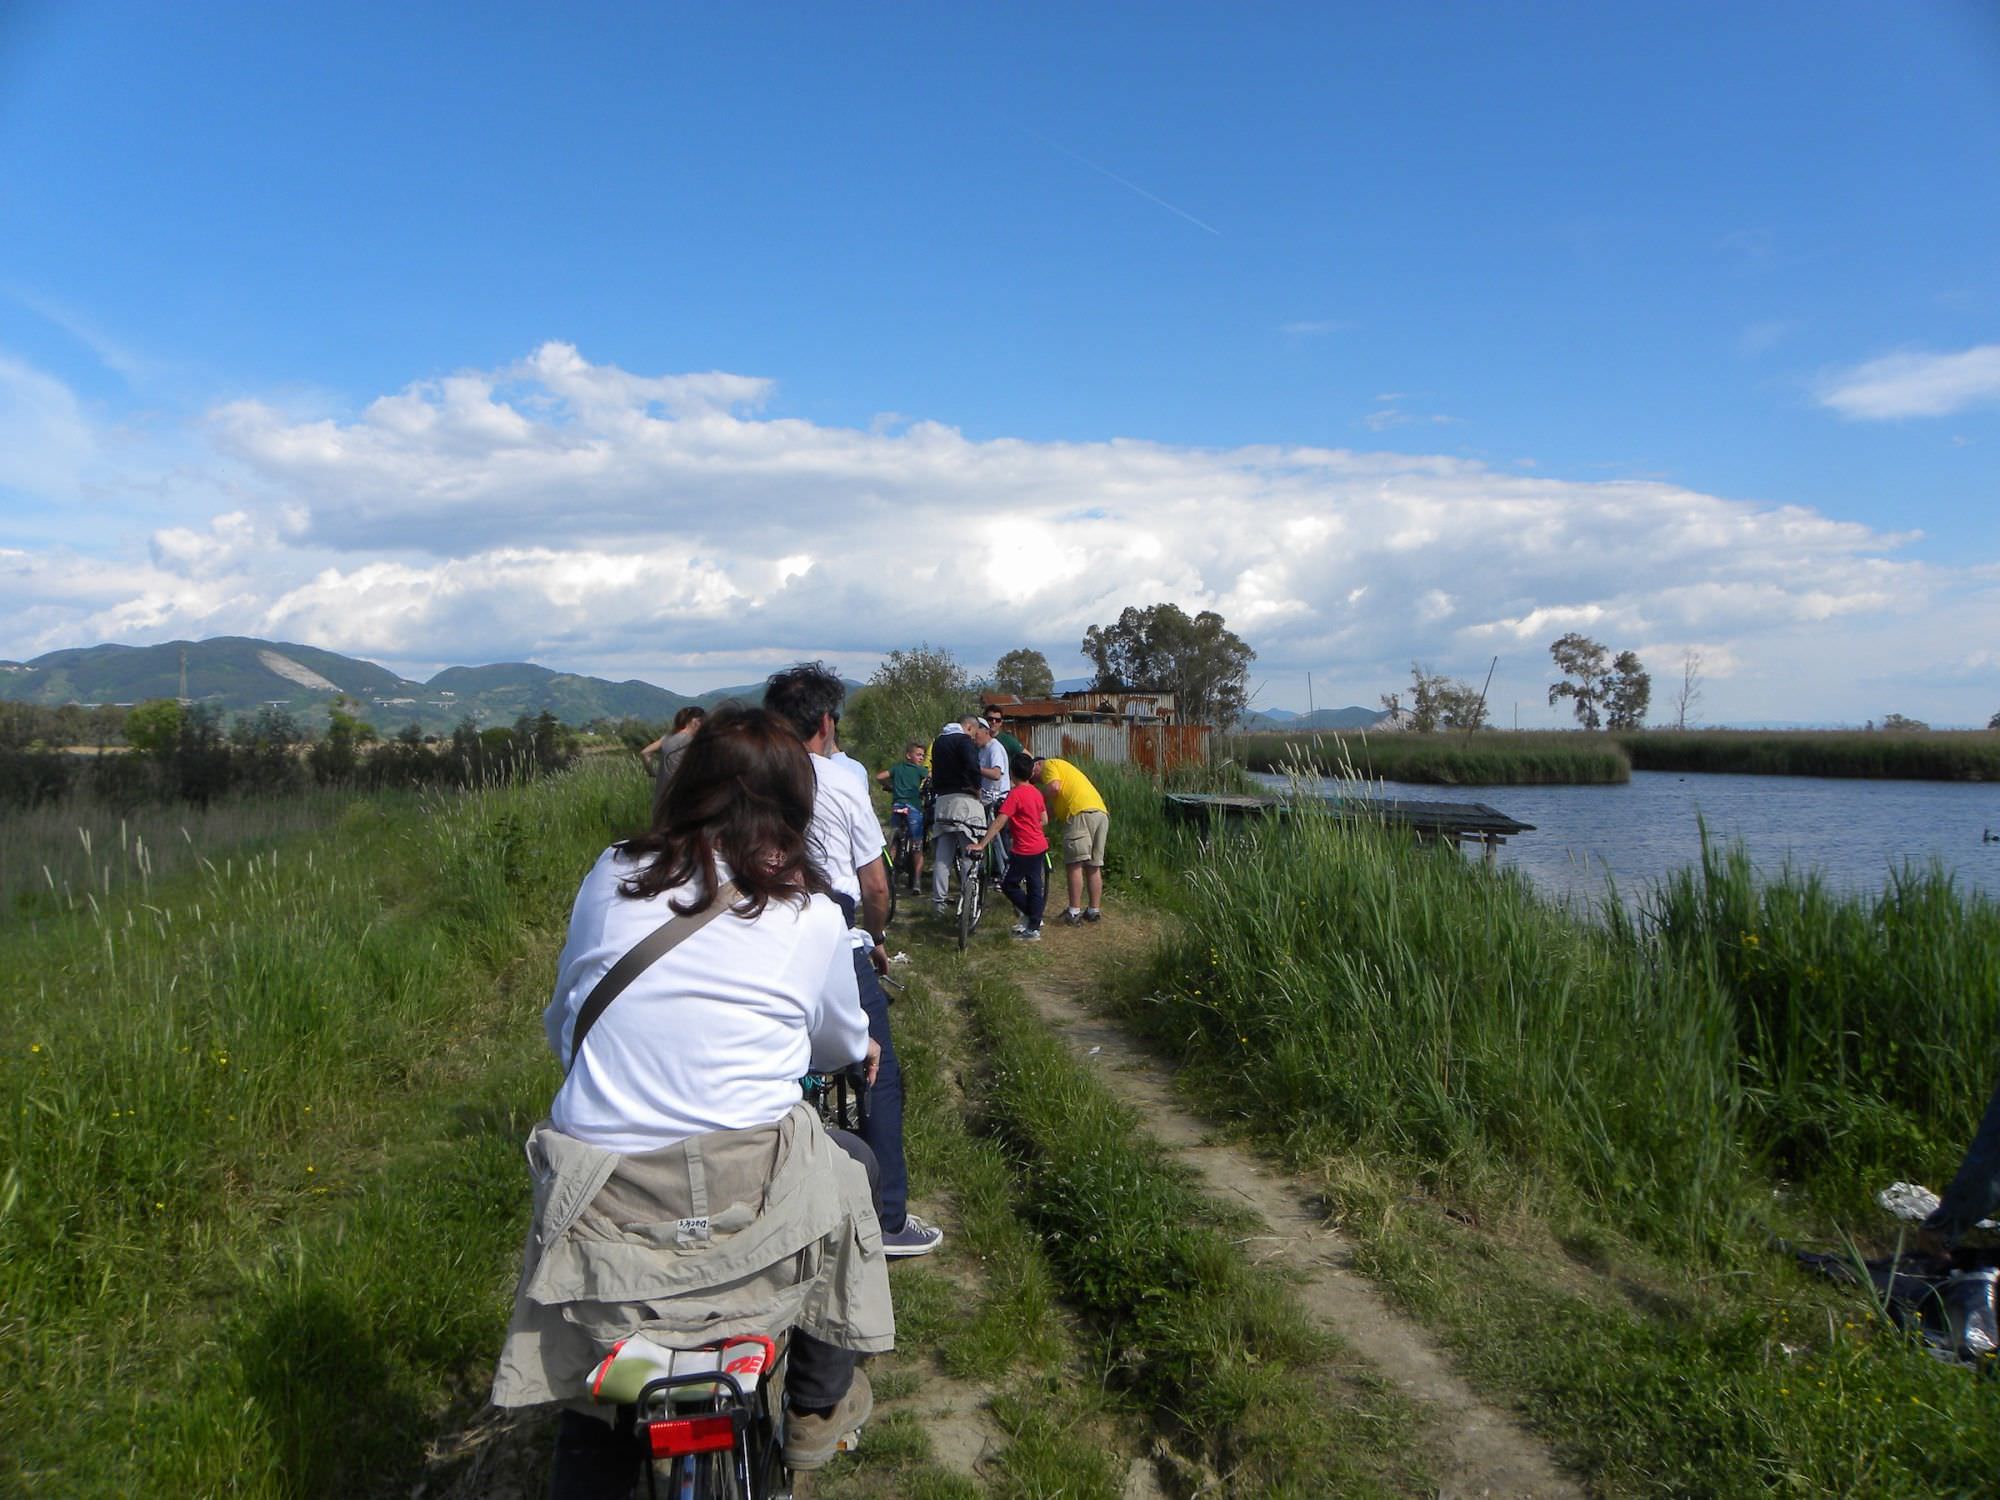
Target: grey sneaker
column 811, row 1441
column 1092, row 914
column 1028, row 934
column 1072, row 919
column 1019, row 928
column 916, row 1237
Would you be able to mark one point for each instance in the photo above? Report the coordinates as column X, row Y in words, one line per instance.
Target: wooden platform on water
column 1461, row 822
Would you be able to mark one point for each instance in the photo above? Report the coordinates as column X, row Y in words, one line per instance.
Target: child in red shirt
column 1022, row 817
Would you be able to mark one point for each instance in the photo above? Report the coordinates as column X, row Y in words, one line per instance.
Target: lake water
column 1852, row 832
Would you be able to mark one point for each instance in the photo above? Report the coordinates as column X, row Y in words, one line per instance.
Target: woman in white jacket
column 690, row 1080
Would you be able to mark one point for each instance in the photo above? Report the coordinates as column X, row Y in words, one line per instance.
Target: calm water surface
column 1853, row 833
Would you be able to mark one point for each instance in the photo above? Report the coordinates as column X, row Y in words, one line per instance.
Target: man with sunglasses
column 994, row 720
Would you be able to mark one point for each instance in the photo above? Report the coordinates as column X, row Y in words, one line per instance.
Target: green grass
column 1946, row 755
column 58, row 858
column 1214, row 1348
column 262, row 1196
column 1487, row 758
column 986, row 1311
column 1622, row 1105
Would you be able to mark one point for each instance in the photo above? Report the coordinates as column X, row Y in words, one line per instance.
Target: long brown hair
column 744, row 792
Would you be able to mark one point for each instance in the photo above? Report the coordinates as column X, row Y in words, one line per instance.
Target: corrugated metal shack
column 1136, row 729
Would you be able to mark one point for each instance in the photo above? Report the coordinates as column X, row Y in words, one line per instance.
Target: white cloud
column 666, row 528
column 45, row 440
column 1314, row 327
column 1916, row 385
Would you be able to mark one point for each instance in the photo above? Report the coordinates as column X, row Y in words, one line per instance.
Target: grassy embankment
column 262, row 1187
column 1617, row 1112
column 1946, row 755
column 1564, row 758
column 1489, row 758
column 56, row 858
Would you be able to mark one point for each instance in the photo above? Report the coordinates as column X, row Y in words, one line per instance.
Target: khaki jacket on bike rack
column 735, row 1232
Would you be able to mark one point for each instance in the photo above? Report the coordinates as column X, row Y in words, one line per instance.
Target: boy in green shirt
column 905, row 781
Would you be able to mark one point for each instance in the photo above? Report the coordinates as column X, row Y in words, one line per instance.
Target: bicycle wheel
column 971, row 893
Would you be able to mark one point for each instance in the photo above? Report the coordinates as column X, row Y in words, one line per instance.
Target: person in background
column 1023, row 816
column 681, row 1104
column 847, row 842
column 905, row 781
column 959, row 816
column 671, row 746
column 1086, row 826
column 995, row 780
column 995, row 720
column 1974, row 1193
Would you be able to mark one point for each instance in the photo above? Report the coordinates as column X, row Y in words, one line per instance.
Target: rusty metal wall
column 1162, row 747
column 1156, row 747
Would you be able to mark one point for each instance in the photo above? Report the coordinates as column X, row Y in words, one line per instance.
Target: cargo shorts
column 1083, row 837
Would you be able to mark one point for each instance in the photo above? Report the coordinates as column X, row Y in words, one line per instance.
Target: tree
column 1903, row 724
column 1204, row 664
column 909, row 697
column 1439, row 702
column 1994, row 722
column 154, row 726
column 1689, row 693
column 1024, row 673
column 1628, row 693
column 1606, row 691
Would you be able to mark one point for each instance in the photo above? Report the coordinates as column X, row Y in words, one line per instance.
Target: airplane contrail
column 1124, row 182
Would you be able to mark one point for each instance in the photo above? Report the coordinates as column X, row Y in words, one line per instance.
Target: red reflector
column 691, row 1435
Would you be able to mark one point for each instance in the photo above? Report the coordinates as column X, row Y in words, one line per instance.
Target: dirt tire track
column 1478, row 1449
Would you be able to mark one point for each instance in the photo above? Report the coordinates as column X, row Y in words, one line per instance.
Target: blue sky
column 1393, row 332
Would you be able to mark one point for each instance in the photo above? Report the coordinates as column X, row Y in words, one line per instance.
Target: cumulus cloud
column 667, row 527
column 1916, row 385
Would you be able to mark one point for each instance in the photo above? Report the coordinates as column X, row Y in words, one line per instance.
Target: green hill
column 240, row 674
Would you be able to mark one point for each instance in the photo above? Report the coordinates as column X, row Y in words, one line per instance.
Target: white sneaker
column 1019, row 928
column 1028, row 934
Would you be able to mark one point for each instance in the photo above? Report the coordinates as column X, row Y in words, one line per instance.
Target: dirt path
column 1479, row 1450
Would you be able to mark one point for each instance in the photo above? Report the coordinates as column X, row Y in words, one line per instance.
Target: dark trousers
column 1975, row 1189
column 1027, row 886
column 884, row 1130
column 600, row 1461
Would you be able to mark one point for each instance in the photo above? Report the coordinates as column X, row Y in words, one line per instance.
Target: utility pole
column 184, row 674
column 1309, row 697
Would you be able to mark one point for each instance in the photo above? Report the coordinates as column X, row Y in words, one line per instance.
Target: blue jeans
column 1026, row 886
column 884, row 1131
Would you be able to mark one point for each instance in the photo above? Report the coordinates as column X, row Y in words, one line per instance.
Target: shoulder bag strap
column 654, row 946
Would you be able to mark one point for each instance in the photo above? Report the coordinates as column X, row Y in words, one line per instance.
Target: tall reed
column 262, row 1129
column 1961, row 755
column 1354, row 987
column 1486, row 758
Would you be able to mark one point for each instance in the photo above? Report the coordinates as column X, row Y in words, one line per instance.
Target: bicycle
column 903, row 850
column 841, row 1098
column 710, row 1421
column 974, row 875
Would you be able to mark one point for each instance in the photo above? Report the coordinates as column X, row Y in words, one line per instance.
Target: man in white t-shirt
column 846, row 839
column 994, row 779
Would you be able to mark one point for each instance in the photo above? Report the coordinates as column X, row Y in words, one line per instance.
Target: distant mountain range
column 240, row 674
column 1352, row 717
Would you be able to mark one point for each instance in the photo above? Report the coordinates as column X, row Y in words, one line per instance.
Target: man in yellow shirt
column 1086, row 822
